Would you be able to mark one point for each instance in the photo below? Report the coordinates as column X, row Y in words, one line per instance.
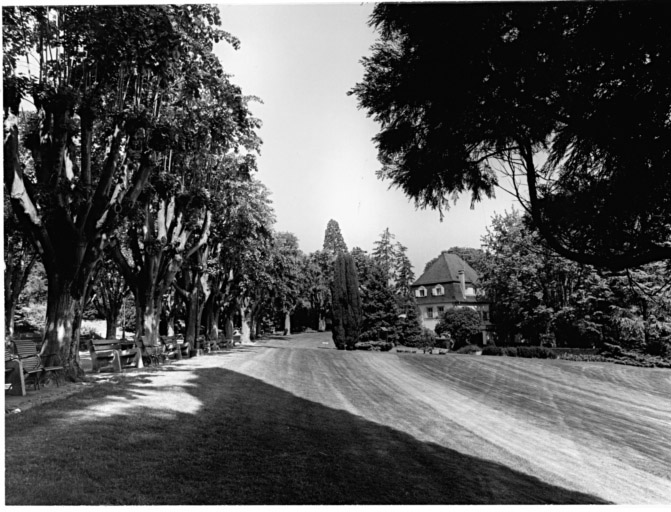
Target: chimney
column 462, row 282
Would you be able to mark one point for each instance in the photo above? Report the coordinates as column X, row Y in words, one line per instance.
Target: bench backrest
column 27, row 352
column 35, row 338
column 98, row 345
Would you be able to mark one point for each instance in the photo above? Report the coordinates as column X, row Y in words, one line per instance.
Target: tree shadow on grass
column 247, row 443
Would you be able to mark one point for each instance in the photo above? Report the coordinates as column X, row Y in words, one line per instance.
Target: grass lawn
column 291, row 421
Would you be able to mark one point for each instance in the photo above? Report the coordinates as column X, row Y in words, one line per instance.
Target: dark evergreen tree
column 380, row 311
column 378, row 302
column 409, row 326
column 384, row 254
column 333, row 240
column 346, row 303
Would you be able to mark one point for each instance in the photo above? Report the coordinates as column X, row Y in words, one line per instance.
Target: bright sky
column 318, row 158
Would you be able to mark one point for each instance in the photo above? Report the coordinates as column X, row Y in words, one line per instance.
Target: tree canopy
column 333, row 239
column 570, row 101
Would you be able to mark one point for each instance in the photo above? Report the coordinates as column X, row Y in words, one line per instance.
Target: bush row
column 382, row 346
column 536, row 352
column 626, row 358
column 469, row 349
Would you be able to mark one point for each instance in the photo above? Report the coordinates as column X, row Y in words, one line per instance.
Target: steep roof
column 446, row 270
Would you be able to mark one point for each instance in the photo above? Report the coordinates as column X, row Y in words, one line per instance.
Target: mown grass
column 214, row 436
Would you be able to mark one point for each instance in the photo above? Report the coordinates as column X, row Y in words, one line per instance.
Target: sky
column 318, row 158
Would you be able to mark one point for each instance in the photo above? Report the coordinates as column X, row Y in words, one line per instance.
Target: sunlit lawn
column 195, row 433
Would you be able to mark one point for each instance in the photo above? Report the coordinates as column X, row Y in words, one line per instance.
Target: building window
column 441, row 310
column 438, row 290
column 485, row 316
column 429, row 312
column 421, row 292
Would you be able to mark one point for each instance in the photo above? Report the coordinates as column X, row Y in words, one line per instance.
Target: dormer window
column 420, row 292
column 470, row 290
column 438, row 290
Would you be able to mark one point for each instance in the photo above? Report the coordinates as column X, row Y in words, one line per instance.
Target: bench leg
column 138, row 360
column 15, row 379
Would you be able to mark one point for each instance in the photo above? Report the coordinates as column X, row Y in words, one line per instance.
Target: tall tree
column 102, row 78
column 409, row 323
column 384, row 254
column 288, row 263
column 549, row 95
column 379, row 305
column 347, row 316
column 318, row 272
column 403, row 272
column 526, row 282
column 251, row 265
column 333, row 240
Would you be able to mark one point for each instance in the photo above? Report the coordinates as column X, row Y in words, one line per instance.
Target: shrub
column 425, row 340
column 382, row 346
column 469, row 349
column 511, row 351
column 461, row 324
column 538, row 352
column 492, row 350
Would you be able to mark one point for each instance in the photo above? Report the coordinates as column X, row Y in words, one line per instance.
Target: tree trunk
column 287, row 323
column 149, row 316
column 228, row 327
column 245, row 318
column 58, row 348
column 111, row 322
column 192, row 320
column 212, row 313
column 321, row 326
column 10, row 312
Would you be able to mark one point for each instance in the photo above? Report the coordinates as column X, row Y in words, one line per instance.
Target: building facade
column 450, row 282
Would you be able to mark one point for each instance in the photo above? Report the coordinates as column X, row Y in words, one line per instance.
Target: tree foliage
column 378, row 303
column 333, row 239
column 542, row 298
column 461, row 324
column 133, row 111
column 549, row 95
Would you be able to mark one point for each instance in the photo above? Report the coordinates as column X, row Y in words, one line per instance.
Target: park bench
column 114, row 354
column 211, row 344
column 173, row 344
column 36, row 338
column 31, row 363
column 155, row 355
column 14, row 382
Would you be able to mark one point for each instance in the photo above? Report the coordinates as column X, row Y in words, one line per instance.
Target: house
column 450, row 282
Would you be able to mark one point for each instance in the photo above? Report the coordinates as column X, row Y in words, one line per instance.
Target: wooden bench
column 35, row 337
column 31, row 363
column 114, row 354
column 14, row 381
column 173, row 344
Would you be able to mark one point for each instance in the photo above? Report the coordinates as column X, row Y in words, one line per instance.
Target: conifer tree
column 333, row 239
column 347, row 313
column 384, row 254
